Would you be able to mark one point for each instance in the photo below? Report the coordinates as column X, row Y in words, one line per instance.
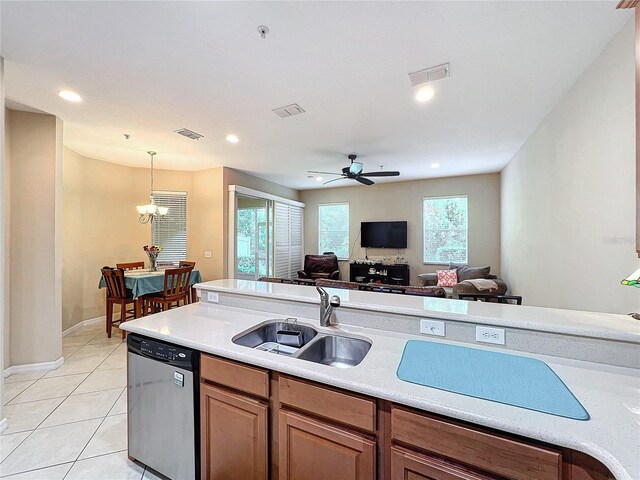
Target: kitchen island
column 610, row 393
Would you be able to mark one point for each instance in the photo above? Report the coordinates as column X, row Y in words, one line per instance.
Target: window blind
column 288, row 244
column 171, row 232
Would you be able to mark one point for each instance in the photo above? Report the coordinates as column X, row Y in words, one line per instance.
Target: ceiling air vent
column 185, row 132
column 429, row 74
column 288, row 111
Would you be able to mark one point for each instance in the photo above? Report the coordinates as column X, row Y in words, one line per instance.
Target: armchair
column 320, row 266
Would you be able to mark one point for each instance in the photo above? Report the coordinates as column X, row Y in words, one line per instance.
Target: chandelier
column 151, row 212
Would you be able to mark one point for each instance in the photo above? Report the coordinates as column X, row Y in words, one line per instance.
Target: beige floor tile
column 121, row 404
column 83, row 407
column 151, row 475
column 21, row 377
column 12, row 390
column 77, row 339
column 77, row 365
column 103, row 380
column 27, row 416
column 102, row 339
column 94, row 350
column 117, row 359
column 111, row 437
column 50, row 446
column 50, row 388
column 8, row 443
column 50, row 473
column 106, row 467
column 69, row 350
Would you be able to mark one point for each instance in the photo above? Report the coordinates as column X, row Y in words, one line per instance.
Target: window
column 333, row 229
column 445, row 229
column 171, row 232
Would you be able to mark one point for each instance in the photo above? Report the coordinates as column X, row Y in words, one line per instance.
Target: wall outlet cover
column 432, row 327
column 490, row 335
column 212, row 297
column 207, row 254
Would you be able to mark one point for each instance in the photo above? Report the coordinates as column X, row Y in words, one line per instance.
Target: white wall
column 403, row 201
column 568, row 212
column 3, row 243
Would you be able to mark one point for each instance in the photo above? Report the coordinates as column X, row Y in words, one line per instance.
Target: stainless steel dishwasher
column 163, row 420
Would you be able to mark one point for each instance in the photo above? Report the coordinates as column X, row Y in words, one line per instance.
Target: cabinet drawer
column 349, row 409
column 489, row 452
column 251, row 380
column 407, row 465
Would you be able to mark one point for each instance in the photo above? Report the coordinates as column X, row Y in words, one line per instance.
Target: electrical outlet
column 432, row 327
column 207, row 254
column 490, row 335
column 212, row 297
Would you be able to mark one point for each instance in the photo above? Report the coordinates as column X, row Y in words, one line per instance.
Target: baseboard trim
column 4, row 423
column 33, row 367
column 84, row 323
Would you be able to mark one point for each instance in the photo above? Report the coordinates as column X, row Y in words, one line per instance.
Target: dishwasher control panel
column 172, row 354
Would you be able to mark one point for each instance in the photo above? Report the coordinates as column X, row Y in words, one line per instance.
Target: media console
column 379, row 273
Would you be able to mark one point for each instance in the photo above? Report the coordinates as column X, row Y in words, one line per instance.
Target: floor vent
column 185, row 132
column 429, row 74
column 288, row 111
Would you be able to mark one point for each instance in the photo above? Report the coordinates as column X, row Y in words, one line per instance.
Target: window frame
column 440, row 197
column 348, row 227
column 166, row 193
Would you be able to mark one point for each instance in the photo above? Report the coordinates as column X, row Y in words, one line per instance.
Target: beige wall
column 6, row 238
column 568, row 215
column 403, row 201
column 4, row 313
column 35, row 248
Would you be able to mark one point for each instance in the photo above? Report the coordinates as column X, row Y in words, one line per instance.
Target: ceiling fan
column 354, row 172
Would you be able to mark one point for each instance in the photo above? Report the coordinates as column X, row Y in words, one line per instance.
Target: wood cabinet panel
column 234, row 441
column 406, row 465
column 314, row 450
column 323, row 401
column 489, row 452
column 238, row 376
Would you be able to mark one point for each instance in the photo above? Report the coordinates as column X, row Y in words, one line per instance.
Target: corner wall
column 403, row 201
column 568, row 212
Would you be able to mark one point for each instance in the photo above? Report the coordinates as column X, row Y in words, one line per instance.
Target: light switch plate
column 490, row 335
column 207, row 254
column 432, row 327
column 212, row 297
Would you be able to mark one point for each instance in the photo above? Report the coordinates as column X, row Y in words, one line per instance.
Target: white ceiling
column 150, row 68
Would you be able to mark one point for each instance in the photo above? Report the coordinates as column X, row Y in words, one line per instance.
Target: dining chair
column 176, row 289
column 117, row 293
column 193, row 297
column 130, row 265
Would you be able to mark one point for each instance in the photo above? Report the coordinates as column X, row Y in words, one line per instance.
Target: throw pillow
column 447, row 278
column 466, row 272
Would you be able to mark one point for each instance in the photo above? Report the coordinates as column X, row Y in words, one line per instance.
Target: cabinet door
column 406, row 465
column 313, row 450
column 233, row 435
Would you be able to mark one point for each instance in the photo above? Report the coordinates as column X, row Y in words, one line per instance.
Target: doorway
column 254, row 238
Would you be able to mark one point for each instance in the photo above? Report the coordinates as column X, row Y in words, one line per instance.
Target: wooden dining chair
column 130, row 265
column 118, row 294
column 193, row 296
column 176, row 289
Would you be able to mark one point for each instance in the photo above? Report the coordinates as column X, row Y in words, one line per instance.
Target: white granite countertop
column 572, row 322
column 611, row 395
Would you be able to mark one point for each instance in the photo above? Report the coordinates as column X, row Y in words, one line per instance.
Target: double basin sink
column 327, row 349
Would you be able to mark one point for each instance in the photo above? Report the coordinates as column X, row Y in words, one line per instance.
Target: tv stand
column 384, row 274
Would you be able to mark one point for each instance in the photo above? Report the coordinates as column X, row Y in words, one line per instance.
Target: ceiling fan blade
column 364, row 181
column 323, row 173
column 381, row 174
column 335, row 179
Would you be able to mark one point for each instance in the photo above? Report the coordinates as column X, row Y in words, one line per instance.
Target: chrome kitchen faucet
column 327, row 306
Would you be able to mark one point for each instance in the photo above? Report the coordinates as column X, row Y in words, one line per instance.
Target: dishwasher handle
column 164, row 352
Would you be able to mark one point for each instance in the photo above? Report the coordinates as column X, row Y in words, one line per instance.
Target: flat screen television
column 383, row 234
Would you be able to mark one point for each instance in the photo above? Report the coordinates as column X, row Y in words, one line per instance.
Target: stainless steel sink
column 336, row 351
column 333, row 350
column 264, row 336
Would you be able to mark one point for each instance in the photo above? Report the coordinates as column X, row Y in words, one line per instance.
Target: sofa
column 428, row 291
column 465, row 273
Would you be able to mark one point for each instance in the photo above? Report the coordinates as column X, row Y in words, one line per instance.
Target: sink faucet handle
column 335, row 301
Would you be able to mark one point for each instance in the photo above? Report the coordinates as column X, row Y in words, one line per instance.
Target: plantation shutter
column 288, row 245
column 171, row 232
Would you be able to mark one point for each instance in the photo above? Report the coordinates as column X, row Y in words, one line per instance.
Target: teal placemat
column 499, row 377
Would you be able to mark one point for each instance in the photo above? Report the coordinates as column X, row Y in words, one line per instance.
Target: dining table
column 143, row 282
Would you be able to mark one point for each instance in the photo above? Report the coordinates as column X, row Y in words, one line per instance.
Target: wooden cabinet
column 234, row 441
column 407, row 465
column 312, row 449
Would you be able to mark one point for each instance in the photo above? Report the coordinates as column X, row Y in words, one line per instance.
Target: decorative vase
column 153, row 262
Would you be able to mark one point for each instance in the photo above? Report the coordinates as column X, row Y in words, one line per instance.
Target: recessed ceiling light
column 435, row 165
column 232, row 139
column 424, row 94
column 70, row 96
column 319, row 179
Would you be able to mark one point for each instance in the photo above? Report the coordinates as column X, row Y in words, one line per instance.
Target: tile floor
column 71, row 423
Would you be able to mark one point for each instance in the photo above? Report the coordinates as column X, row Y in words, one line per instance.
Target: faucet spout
column 327, row 306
